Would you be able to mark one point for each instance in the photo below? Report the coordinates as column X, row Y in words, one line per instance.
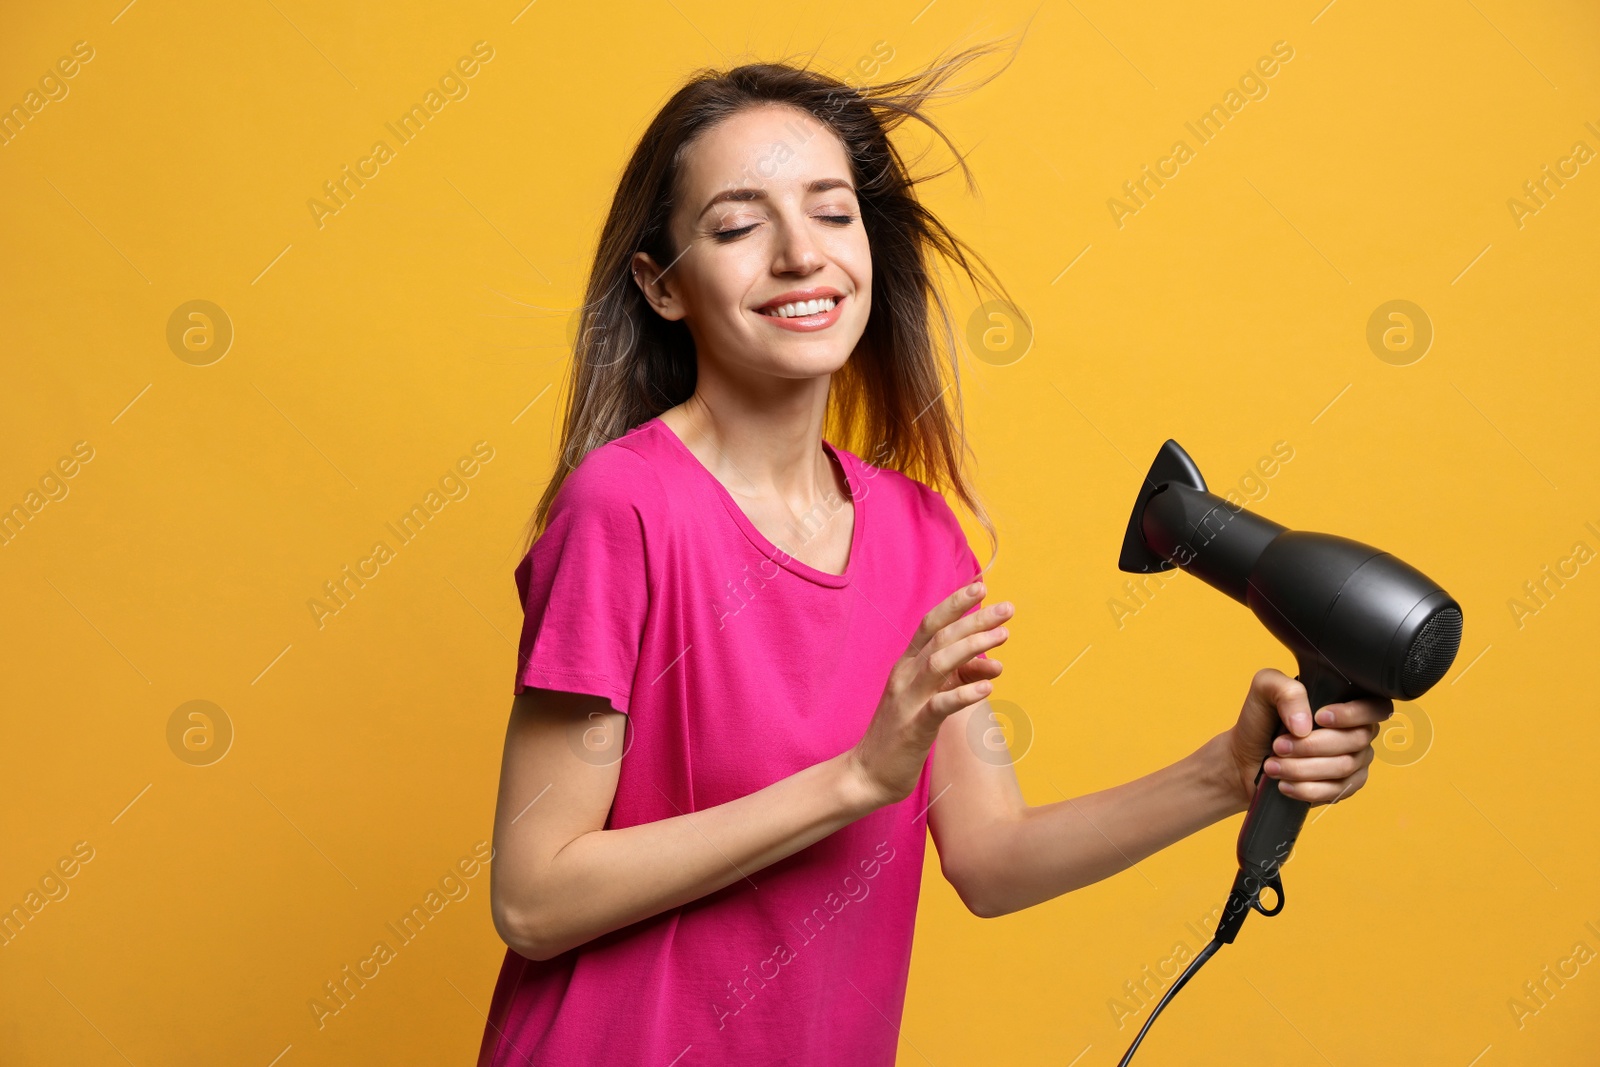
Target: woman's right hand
column 939, row 674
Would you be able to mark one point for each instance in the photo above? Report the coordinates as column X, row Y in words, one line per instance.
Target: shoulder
column 612, row 481
column 606, row 512
column 912, row 503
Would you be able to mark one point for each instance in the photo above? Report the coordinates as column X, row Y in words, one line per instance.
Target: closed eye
column 734, row 234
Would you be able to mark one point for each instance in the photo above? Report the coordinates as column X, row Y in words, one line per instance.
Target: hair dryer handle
column 1274, row 820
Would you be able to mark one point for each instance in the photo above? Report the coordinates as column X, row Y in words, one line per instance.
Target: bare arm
column 1003, row 855
column 559, row 879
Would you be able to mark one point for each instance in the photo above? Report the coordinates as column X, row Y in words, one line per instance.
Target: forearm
column 607, row 879
column 1039, row 852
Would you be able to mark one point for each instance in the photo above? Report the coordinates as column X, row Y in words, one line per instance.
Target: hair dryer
column 1359, row 621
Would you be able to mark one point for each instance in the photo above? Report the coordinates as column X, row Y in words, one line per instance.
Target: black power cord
column 1245, row 894
column 1188, row 972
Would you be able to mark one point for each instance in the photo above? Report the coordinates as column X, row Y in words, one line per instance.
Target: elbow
column 991, row 904
column 985, row 907
column 980, row 899
column 523, row 930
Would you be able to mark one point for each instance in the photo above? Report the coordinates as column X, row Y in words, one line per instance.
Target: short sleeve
column 967, row 571
column 964, row 562
column 584, row 584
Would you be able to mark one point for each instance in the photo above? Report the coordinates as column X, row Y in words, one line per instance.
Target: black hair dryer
column 1359, row 621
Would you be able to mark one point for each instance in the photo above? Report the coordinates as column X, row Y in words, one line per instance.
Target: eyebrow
column 821, row 185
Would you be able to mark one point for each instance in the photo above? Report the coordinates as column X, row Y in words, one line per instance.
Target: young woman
column 750, row 656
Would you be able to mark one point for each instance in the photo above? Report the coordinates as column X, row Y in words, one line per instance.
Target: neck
column 761, row 449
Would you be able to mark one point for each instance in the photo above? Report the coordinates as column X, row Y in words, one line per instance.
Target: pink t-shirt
column 738, row 666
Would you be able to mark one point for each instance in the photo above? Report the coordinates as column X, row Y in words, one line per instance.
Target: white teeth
column 803, row 307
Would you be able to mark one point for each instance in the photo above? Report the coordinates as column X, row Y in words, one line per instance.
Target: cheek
column 722, row 285
column 854, row 257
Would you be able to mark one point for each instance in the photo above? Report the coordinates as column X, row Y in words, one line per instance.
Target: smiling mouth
column 802, row 308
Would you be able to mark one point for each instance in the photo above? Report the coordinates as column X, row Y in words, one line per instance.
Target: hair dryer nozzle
column 1172, row 464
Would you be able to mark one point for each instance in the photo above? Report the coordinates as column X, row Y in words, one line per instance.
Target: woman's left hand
column 1318, row 766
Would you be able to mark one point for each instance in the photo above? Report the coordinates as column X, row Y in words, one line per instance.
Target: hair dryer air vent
column 1431, row 652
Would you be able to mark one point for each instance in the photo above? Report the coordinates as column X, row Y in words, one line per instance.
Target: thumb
column 1278, row 696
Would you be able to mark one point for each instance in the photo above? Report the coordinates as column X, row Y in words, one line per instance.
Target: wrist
column 856, row 793
column 1220, row 772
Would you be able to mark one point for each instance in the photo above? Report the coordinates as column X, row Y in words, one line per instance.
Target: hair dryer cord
column 1188, row 973
column 1245, row 895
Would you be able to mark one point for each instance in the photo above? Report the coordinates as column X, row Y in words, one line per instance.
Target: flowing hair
column 888, row 402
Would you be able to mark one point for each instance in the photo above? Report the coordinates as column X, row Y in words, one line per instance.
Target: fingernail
column 1325, row 717
column 1282, row 746
column 975, row 588
column 1272, row 767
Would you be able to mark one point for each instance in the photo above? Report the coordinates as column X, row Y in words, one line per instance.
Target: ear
column 658, row 288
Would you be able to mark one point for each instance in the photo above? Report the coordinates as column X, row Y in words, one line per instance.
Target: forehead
column 774, row 147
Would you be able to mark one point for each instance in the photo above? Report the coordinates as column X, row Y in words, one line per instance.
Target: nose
column 796, row 250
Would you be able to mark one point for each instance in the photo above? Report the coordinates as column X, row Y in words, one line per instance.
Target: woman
column 751, row 657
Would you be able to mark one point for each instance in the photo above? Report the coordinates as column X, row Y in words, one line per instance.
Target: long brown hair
column 887, row 403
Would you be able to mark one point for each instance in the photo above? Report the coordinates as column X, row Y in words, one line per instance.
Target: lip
column 794, row 295
column 805, row 323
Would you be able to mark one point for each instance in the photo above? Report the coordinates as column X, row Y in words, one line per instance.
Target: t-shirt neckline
column 757, row 538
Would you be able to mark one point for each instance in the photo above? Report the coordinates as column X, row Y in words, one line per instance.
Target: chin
column 806, row 365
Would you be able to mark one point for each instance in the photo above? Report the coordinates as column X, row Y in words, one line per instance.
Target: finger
column 1326, row 741
column 1318, row 768
column 986, row 618
column 944, row 613
column 942, row 661
column 1324, row 792
column 1286, row 697
column 1355, row 712
column 976, row 668
column 945, row 704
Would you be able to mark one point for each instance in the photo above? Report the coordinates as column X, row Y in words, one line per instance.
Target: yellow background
column 371, row 353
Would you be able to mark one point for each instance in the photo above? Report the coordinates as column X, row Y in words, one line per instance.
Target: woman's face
column 766, row 219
